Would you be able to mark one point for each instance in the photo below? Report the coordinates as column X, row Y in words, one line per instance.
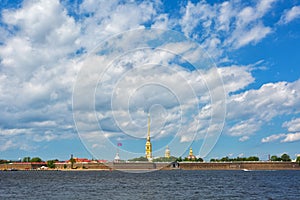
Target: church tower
column 148, row 146
column 167, row 153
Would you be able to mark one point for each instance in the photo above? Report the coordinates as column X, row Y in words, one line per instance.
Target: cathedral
column 148, row 146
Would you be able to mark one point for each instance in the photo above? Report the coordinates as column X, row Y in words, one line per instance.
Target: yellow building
column 167, row 153
column 191, row 155
column 148, row 146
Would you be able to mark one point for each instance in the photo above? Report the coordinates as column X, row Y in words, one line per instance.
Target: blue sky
column 78, row 77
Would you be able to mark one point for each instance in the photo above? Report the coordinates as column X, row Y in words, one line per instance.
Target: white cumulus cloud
column 272, row 138
column 290, row 15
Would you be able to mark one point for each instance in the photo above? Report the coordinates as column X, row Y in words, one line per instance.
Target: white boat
column 246, row 170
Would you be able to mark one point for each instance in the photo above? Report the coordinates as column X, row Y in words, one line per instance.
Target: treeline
column 142, row 158
column 189, row 160
column 227, row 159
column 284, row 157
column 164, row 159
column 25, row 159
column 50, row 163
column 35, row 159
column 4, row 161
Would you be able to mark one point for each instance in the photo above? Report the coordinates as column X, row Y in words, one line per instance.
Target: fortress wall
column 132, row 166
column 92, row 166
column 96, row 166
column 240, row 166
column 21, row 166
column 163, row 166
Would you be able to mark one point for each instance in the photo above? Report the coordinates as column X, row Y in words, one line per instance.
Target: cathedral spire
column 148, row 146
column 148, row 135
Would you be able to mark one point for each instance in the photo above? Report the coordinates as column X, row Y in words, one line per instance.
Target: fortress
column 151, row 166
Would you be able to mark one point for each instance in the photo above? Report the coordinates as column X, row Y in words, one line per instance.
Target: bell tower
column 148, row 146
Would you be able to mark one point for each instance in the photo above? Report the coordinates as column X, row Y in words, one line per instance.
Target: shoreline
column 149, row 167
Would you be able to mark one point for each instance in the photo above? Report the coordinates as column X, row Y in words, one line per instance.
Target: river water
column 177, row 184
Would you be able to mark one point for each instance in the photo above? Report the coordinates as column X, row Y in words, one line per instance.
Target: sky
column 80, row 77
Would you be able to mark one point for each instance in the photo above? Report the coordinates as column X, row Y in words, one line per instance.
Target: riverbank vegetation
column 237, row 159
column 274, row 158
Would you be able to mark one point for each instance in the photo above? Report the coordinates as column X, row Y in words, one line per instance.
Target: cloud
column 38, row 72
column 236, row 77
column 261, row 106
column 272, row 138
column 291, row 137
column 8, row 144
column 293, row 125
column 290, row 15
column 100, row 19
column 243, row 139
column 226, row 26
column 253, row 35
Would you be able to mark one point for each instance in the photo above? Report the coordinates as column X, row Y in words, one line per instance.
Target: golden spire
column 148, row 135
column 167, row 152
column 191, row 152
column 148, row 146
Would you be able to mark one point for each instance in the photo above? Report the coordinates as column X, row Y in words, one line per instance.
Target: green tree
column 285, row 157
column 3, row 161
column 179, row 159
column 212, row 160
column 225, row 159
column 72, row 161
column 164, row 159
column 298, row 159
column 36, row 159
column 275, row 158
column 142, row 158
column 26, row 159
column 252, row 158
column 51, row 164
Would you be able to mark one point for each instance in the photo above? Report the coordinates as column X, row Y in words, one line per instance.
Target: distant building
column 191, row 155
column 167, row 153
column 78, row 160
column 148, row 145
column 117, row 157
column 82, row 160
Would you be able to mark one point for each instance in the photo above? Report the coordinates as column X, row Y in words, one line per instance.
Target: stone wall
column 239, row 166
column 21, row 166
column 133, row 166
column 164, row 166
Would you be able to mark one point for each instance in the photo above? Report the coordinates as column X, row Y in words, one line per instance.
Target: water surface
column 177, row 184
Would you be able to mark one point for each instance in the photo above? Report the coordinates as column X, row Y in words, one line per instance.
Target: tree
column 285, row 157
column 3, row 161
column 275, row 158
column 142, row 158
column 179, row 159
column 298, row 160
column 26, row 159
column 36, row 159
column 212, row 160
column 200, row 159
column 164, row 159
column 225, row 159
column 252, row 158
column 51, row 164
